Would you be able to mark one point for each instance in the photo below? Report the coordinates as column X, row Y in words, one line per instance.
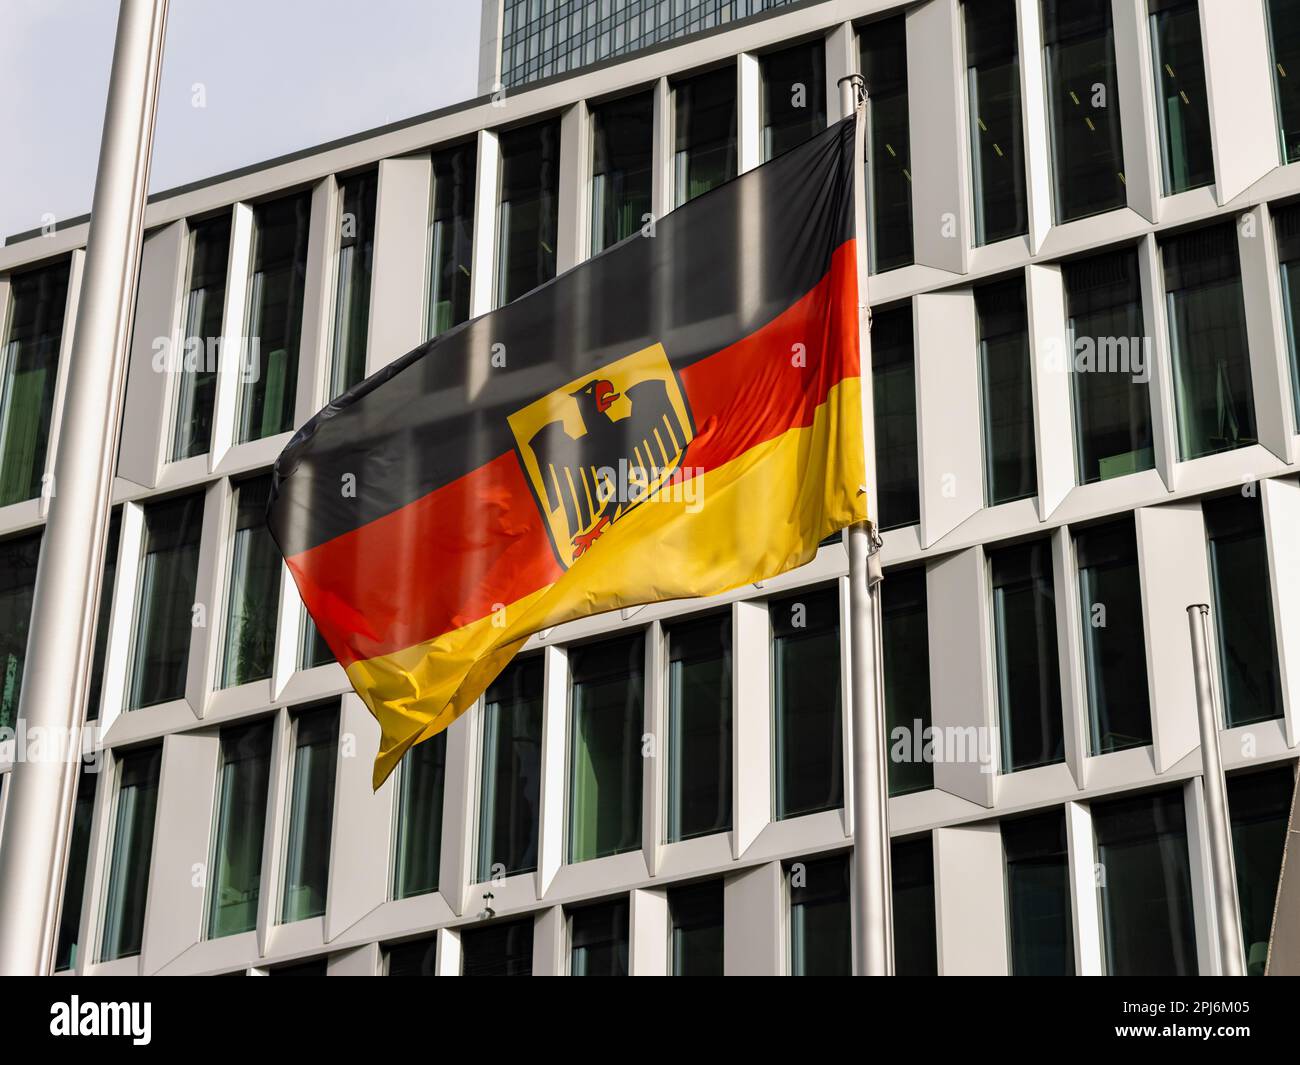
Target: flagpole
column 60, row 636
column 873, row 938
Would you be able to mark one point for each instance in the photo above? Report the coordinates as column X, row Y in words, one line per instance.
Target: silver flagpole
column 1223, row 873
column 873, row 950
column 60, row 639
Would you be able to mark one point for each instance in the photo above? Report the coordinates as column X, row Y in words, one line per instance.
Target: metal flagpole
column 873, row 951
column 60, row 639
column 1223, row 874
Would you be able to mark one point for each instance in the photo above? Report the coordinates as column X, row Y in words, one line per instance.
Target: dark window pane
column 622, row 139
column 821, row 940
column 1111, row 366
column 1284, row 32
column 29, row 367
column 608, row 720
column 705, row 133
column 74, row 885
column 106, row 585
column 793, row 96
column 1181, row 106
column 916, row 950
column 905, row 641
column 1006, row 393
column 165, row 600
column 451, row 238
column 421, row 786
column 1260, row 806
column 242, row 784
column 893, row 384
column 356, row 251
column 1145, row 886
column 1114, row 643
column 1243, row 608
column 18, row 559
column 526, row 215
column 599, row 936
column 311, row 811
column 512, row 771
column 699, row 727
column 806, row 689
column 253, row 597
column 1207, row 332
column 196, row 388
column 1083, row 95
column 503, row 949
column 883, row 58
column 1286, row 221
column 1038, row 895
column 996, row 131
column 310, row 967
column 269, row 377
column 312, row 649
column 695, row 915
column 416, row 957
column 1029, row 679
column 128, row 874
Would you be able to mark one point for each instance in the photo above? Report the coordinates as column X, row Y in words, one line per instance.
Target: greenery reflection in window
column 704, row 153
column 821, row 941
column 18, row 559
column 243, row 780
column 196, row 387
column 353, row 267
column 793, row 97
column 451, row 238
column 253, row 600
column 622, row 143
column 29, row 368
column 699, row 727
column 527, row 217
column 883, row 58
column 1182, row 109
column 422, row 782
column 127, row 888
column 311, row 813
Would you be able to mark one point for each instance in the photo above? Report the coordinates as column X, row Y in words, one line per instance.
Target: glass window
column 695, row 916
column 704, row 133
column 622, row 140
column 416, row 957
column 526, row 217
column 1243, row 610
column 310, row 967
column 164, row 603
column 893, row 384
column 131, row 849
column 311, row 813
column 29, row 369
column 1207, row 332
column 451, row 238
column 821, row 939
column 1259, row 805
column 607, row 713
column 1038, row 895
column 793, row 96
column 1286, row 221
column 599, row 937
column 1114, row 639
column 911, row 869
column 1029, row 677
column 312, row 649
column 905, row 643
column 1182, row 110
column 1145, row 886
column 883, row 60
column 512, row 771
column 806, row 690
column 18, row 559
column 498, row 949
column 269, row 373
column 996, row 132
column 356, row 252
column 253, row 597
column 1110, row 367
column 1006, row 393
column 1284, row 34
column 1083, row 97
column 196, row 387
column 421, row 786
column 243, row 780
column 108, row 581
column 74, row 884
column 699, row 727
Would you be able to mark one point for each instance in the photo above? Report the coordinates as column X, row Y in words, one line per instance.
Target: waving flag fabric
column 676, row 417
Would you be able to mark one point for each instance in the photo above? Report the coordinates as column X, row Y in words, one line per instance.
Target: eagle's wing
column 560, row 461
column 654, row 433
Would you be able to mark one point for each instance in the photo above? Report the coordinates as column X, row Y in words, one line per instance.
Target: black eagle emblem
column 587, row 477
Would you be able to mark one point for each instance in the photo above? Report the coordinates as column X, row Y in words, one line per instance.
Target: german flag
column 678, row 416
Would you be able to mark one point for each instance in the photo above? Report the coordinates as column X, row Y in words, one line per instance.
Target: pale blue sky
column 277, row 75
